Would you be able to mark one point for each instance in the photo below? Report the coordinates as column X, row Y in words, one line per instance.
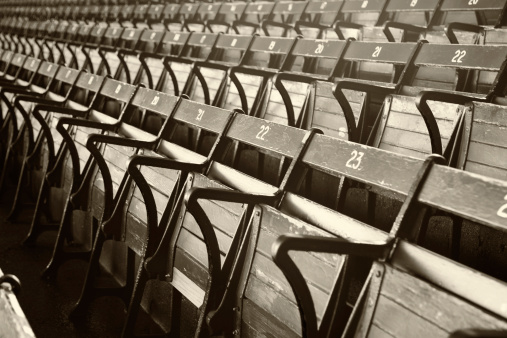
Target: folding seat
column 108, row 112
column 154, row 71
column 125, row 16
column 113, row 15
column 419, row 120
column 206, row 12
column 83, row 44
column 405, row 280
column 23, row 145
column 94, row 14
column 175, row 14
column 406, row 21
column 252, row 17
column 195, row 47
column 357, row 14
column 154, row 16
column 100, row 62
column 227, row 14
column 282, row 19
column 183, row 255
column 318, row 18
column 480, row 150
column 139, row 16
column 452, row 21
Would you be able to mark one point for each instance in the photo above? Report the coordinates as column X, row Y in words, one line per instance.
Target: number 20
column 355, row 161
column 458, row 55
column 260, row 135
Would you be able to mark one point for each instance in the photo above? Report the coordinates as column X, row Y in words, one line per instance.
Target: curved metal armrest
column 338, row 93
column 38, row 100
column 460, row 26
column 421, row 103
column 19, row 90
column 399, row 25
column 280, row 253
column 478, row 333
column 64, row 110
column 217, row 194
column 118, row 140
column 287, row 101
column 266, row 23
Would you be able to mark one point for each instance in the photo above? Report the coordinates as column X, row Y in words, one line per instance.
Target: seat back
column 483, row 140
column 252, row 16
column 317, row 18
column 227, row 14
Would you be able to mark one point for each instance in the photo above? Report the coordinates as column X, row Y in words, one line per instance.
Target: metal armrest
column 399, row 25
column 280, row 253
column 459, row 26
column 387, row 88
column 421, row 103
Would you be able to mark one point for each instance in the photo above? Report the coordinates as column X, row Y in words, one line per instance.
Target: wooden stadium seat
column 480, row 151
column 133, row 225
column 430, row 182
column 184, row 253
column 206, row 12
column 155, row 73
column 358, row 13
column 212, row 83
column 318, row 18
column 109, row 112
column 283, row 17
column 227, row 14
column 264, row 58
column 154, row 16
column 252, row 17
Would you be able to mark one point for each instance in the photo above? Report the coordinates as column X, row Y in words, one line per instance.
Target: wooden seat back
column 196, row 265
column 251, row 18
column 206, row 12
column 263, row 58
column 227, row 14
column 482, row 141
column 402, row 265
column 283, row 17
column 317, row 18
column 212, row 83
column 416, row 131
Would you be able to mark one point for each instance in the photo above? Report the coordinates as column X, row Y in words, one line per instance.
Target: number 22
column 260, row 135
column 458, row 55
